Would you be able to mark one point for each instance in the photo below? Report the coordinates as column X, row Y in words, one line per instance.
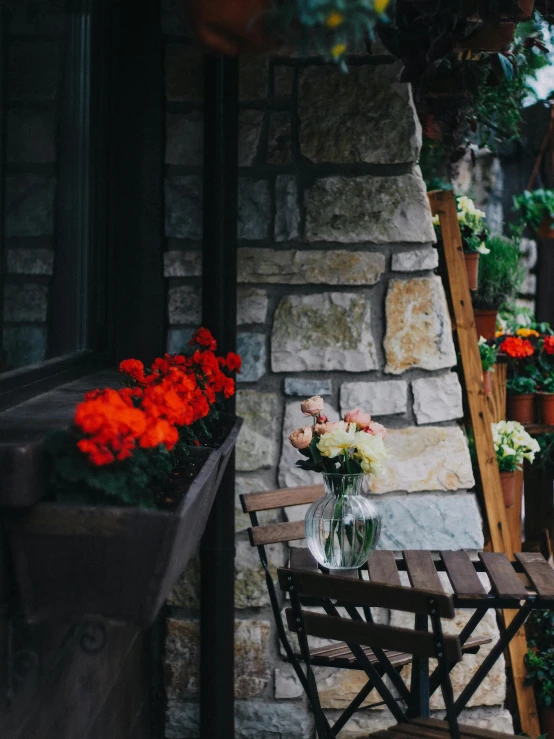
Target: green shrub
column 500, row 273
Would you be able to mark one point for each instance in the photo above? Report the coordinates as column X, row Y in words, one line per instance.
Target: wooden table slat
column 303, row 559
column 421, row 571
column 503, row 577
column 539, row 572
column 382, row 568
column 463, row 577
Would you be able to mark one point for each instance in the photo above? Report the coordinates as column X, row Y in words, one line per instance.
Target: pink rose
column 312, row 406
column 322, row 418
column 325, row 428
column 361, row 419
column 375, row 429
column 301, row 438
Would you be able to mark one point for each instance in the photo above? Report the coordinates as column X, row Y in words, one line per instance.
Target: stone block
column 427, row 521
column 290, row 475
column 252, row 305
column 31, row 136
column 415, row 259
column 254, row 209
column 337, row 688
column 279, row 145
column 253, row 77
column 23, row 345
column 29, row 204
column 184, row 73
column 366, row 209
column 184, row 304
column 182, row 720
column 424, row 459
column 181, row 263
column 250, row 127
column 33, row 70
column 250, row 584
column 258, row 441
column 438, row 398
column 287, row 212
column 494, row 718
column 250, row 484
column 371, row 118
column 178, row 339
column 184, row 138
column 305, row 388
column 377, row 398
column 25, row 303
column 283, row 80
column 183, row 206
column 325, row 331
column 265, row 720
column 317, row 267
column 419, row 332
column 24, row 261
column 251, row 348
column 186, row 593
column 182, row 658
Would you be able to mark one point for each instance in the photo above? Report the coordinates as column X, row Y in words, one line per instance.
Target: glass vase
column 343, row 527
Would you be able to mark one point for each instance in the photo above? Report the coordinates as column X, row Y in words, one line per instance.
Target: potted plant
column 522, row 379
column 329, row 29
column 513, row 445
column 537, row 210
column 488, row 353
column 540, row 665
column 546, row 378
column 131, row 488
column 474, row 233
column 500, row 277
column 343, row 527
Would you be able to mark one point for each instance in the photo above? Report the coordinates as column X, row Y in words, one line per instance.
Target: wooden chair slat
column 502, row 575
column 303, row 559
column 269, row 499
column 382, row 568
column 462, row 574
column 470, row 731
column 273, row 533
column 539, row 572
column 365, row 593
column 422, row 571
column 368, row 634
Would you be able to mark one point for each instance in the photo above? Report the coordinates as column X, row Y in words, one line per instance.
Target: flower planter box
column 225, row 449
column 119, row 563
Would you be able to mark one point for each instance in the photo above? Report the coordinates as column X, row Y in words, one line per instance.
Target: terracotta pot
column 547, row 720
column 526, row 8
column 546, row 409
column 489, row 38
column 485, row 323
column 546, row 228
column 487, row 382
column 472, row 268
column 508, row 482
column 521, row 408
column 231, row 27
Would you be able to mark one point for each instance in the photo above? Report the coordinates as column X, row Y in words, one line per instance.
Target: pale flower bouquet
column 343, row 527
column 352, row 446
column 513, row 445
column 472, row 225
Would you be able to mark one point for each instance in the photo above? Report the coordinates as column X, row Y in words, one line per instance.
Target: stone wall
column 33, row 53
column 338, row 296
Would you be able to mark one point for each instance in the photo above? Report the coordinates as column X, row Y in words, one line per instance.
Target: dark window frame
column 108, row 298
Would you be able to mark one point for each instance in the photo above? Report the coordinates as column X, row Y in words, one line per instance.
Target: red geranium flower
column 548, row 344
column 203, row 337
column 517, row 348
column 233, row 362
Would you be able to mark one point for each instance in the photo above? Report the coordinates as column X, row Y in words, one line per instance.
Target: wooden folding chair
column 350, row 595
column 338, row 656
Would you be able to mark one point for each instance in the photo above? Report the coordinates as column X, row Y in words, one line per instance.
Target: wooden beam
column 443, row 204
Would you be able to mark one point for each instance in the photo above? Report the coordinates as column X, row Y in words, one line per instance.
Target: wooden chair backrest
column 273, row 533
column 347, row 592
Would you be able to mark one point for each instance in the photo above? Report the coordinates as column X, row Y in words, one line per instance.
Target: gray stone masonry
column 337, row 296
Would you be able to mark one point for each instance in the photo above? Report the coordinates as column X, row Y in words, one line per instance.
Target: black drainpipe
column 219, row 314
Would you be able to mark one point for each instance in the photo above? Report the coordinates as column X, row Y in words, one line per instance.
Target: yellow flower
column 334, row 19
column 381, row 5
column 498, row 334
column 338, row 50
column 526, row 332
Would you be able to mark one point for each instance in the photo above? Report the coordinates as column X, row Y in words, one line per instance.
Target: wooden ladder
column 443, row 204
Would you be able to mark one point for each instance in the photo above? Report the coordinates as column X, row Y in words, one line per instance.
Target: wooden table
column 521, row 586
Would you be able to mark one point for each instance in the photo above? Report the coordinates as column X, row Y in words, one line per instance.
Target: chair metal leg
column 419, row 703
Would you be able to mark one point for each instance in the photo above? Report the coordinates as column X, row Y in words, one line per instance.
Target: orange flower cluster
column 176, row 391
column 517, row 348
column 113, row 427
